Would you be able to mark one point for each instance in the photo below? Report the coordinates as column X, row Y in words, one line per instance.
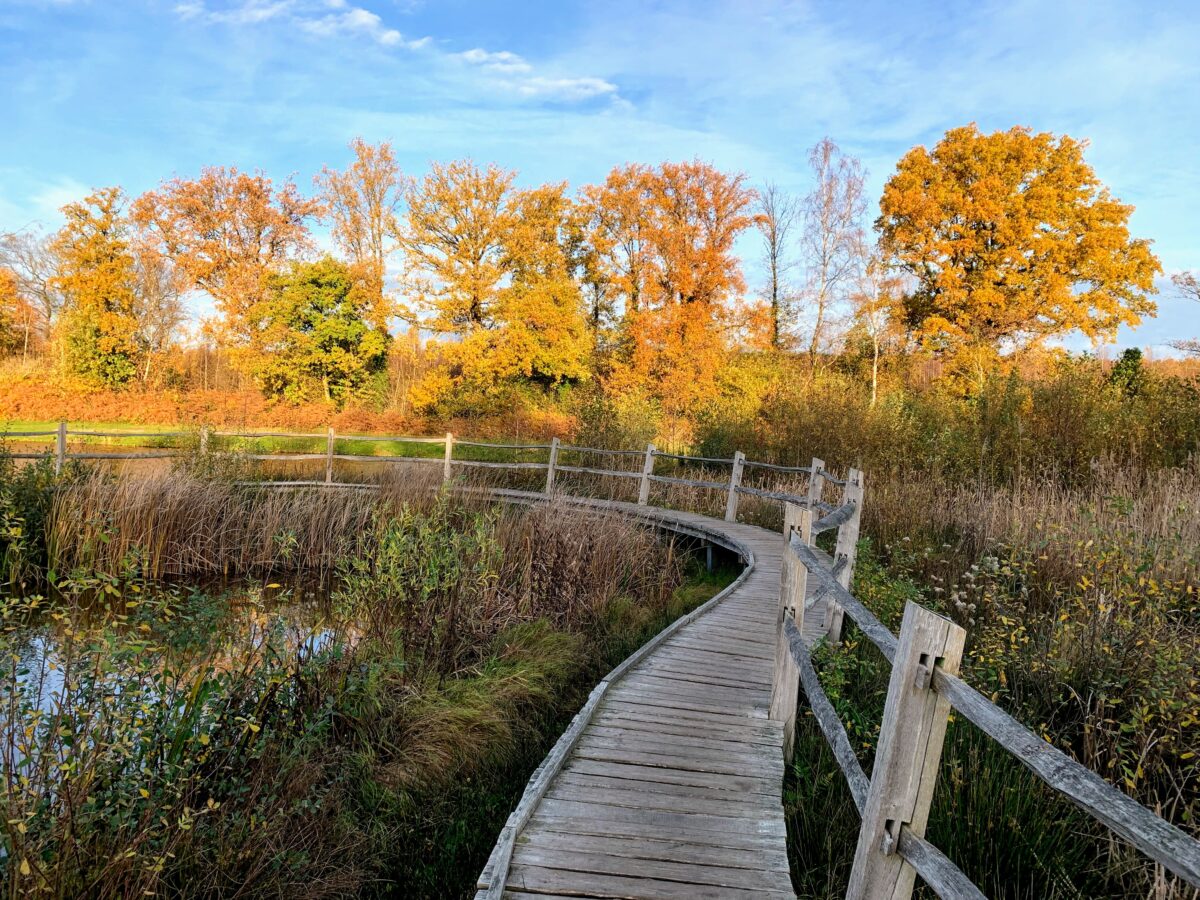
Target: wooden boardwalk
column 673, row 785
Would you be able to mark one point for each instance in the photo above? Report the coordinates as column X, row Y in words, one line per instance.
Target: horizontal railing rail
column 552, row 467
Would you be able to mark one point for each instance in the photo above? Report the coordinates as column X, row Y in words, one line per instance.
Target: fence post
column 329, row 439
column 846, row 547
column 793, row 584
column 203, row 439
column 906, row 762
column 735, row 481
column 816, row 483
column 448, row 457
column 60, row 448
column 551, row 464
column 647, row 471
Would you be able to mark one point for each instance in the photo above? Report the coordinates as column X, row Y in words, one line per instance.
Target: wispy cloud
column 324, row 19
column 500, row 61
column 515, row 75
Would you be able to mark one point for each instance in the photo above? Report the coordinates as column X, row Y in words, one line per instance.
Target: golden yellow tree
column 1011, row 238
column 541, row 333
column 453, row 240
column 97, row 279
column 364, row 204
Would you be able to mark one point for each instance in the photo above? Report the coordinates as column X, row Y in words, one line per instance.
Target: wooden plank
column 680, row 851
column 584, row 780
column 592, row 862
column 681, row 823
column 642, row 757
column 654, row 774
column 747, row 806
column 624, row 823
column 585, row 884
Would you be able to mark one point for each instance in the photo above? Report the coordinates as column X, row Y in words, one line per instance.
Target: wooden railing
column 924, row 686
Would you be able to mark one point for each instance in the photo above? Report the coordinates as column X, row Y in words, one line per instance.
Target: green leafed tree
column 317, row 333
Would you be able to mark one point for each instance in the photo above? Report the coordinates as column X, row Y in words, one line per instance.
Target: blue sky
column 98, row 92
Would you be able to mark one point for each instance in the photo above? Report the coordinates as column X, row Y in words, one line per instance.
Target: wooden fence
column 924, row 686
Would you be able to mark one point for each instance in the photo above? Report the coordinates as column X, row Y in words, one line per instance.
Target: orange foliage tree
column 1011, row 238
column 19, row 319
column 666, row 236
column 228, row 232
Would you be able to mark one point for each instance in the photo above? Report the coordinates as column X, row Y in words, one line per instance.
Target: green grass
column 288, row 444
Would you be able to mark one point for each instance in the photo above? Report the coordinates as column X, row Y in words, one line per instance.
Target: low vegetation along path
column 669, row 781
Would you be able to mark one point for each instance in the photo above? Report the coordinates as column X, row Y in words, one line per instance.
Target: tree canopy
column 1012, row 238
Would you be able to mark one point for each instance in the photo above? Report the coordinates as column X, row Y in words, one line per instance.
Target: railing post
column 551, row 464
column 60, row 448
column 647, row 471
column 906, row 762
column 329, row 440
column 203, row 439
column 847, row 548
column 793, row 584
column 446, row 473
column 735, row 481
column 816, row 483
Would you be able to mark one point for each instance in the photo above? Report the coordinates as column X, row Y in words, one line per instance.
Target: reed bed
column 383, row 758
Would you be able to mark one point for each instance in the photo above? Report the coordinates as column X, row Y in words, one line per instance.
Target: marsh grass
column 1082, row 617
column 380, row 760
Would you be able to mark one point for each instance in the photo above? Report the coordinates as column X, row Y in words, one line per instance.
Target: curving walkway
column 669, row 782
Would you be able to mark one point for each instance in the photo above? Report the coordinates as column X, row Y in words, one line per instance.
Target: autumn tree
column 668, row 241
column 228, row 232
column 97, row 279
column 778, row 214
column 541, row 333
column 830, row 236
column 617, row 216
column 453, row 239
column 158, row 301
column 1011, row 238
column 29, row 256
column 364, row 204
column 316, row 330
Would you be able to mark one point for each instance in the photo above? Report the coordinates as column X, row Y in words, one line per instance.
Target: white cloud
column 515, row 76
column 565, row 88
column 499, row 61
column 356, row 20
column 321, row 18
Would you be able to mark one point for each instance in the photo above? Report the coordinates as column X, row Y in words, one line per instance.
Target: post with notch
column 647, row 471
column 204, row 429
column 550, row 465
column 446, row 462
column 816, row 484
column 906, row 763
column 735, row 481
column 846, row 549
column 329, row 442
column 60, row 448
column 793, row 584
